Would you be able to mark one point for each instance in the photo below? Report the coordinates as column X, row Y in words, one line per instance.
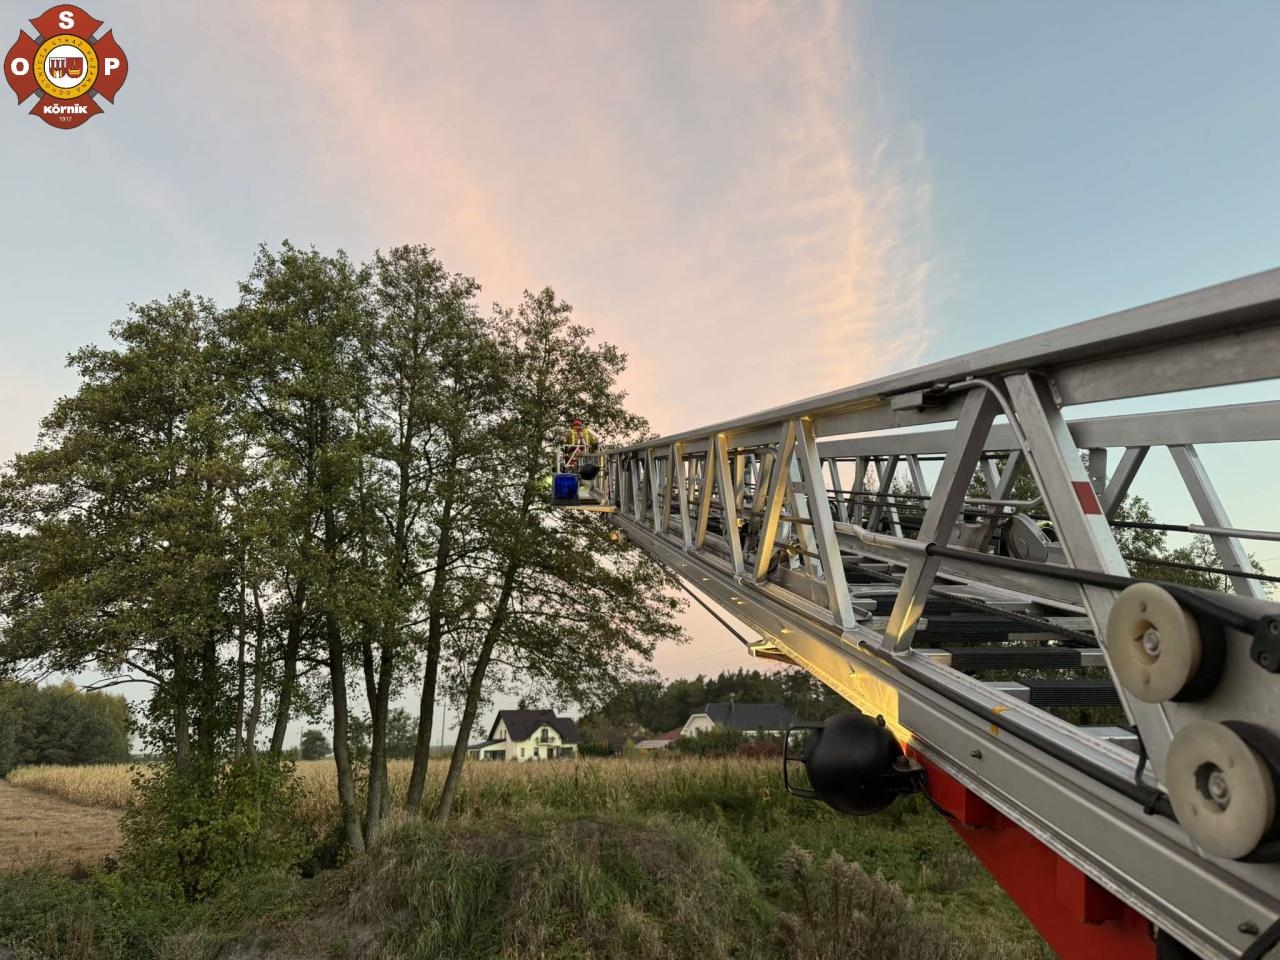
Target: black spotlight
column 853, row 762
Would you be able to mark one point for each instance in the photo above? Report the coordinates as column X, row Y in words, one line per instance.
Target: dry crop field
column 488, row 788
column 38, row 829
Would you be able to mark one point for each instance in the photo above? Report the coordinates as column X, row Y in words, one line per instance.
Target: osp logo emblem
column 67, row 66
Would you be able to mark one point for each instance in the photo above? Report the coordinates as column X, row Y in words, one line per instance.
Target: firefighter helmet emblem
column 69, row 63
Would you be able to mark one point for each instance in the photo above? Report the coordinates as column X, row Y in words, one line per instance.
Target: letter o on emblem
column 19, row 66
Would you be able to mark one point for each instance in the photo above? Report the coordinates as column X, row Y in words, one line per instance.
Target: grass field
column 554, row 824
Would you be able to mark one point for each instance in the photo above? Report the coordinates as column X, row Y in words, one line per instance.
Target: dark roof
column 750, row 716
column 521, row 724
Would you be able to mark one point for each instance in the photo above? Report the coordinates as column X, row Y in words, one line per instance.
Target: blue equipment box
column 564, row 486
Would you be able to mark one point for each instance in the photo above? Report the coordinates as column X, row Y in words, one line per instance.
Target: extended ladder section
column 943, row 548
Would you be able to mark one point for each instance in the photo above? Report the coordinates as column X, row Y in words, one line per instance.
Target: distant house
column 660, row 742
column 528, row 735
column 750, row 718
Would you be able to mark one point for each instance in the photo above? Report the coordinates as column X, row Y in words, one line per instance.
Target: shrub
column 200, row 823
column 835, row 910
column 726, row 742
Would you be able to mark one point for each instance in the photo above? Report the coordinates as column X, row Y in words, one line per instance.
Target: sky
column 757, row 201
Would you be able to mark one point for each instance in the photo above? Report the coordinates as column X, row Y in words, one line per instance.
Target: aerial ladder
column 872, row 537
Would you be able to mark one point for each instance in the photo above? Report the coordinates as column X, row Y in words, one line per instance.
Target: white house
column 750, row 718
column 528, row 735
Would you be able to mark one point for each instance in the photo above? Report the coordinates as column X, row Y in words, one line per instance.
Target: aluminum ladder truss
column 896, row 595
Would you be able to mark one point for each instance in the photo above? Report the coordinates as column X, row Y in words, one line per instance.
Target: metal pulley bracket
column 1265, row 649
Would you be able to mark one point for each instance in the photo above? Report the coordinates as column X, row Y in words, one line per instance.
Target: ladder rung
column 1061, row 693
column 1117, row 735
column 1014, row 658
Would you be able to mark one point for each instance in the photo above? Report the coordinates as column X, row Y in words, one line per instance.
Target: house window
column 545, row 737
column 535, row 753
column 522, row 751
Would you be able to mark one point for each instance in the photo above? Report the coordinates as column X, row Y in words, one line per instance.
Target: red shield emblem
column 70, row 63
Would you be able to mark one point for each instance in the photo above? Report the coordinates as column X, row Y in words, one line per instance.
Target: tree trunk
column 474, row 688
column 435, row 632
column 255, row 710
column 375, row 681
column 241, row 678
column 341, row 735
column 379, row 707
column 469, row 710
column 426, row 711
column 208, row 689
column 514, row 562
column 181, row 728
column 293, row 643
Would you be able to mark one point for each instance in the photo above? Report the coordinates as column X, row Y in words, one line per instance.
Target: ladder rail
column 782, row 563
column 1143, row 859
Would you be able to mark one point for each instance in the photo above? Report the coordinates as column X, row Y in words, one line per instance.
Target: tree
column 315, row 745
column 433, row 381
column 341, row 478
column 402, row 735
column 563, row 605
column 299, row 341
column 60, row 725
column 114, row 547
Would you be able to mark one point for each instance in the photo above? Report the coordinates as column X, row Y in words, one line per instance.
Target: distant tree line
column 647, row 707
column 60, row 725
column 334, row 490
column 1149, row 555
column 401, row 737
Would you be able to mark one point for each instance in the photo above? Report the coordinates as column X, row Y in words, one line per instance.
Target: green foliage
column 60, row 726
column 201, row 824
column 46, row 916
column 645, row 707
column 402, row 734
column 116, row 546
column 315, row 745
column 8, row 731
column 725, row 742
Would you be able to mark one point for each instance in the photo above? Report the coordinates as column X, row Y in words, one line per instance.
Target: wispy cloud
column 700, row 180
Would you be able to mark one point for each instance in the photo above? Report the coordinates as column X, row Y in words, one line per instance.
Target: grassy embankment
column 646, row 859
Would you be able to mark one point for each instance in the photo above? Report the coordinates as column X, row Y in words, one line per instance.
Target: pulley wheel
column 1222, row 791
column 1154, row 644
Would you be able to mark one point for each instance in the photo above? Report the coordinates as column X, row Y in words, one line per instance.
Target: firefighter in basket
column 580, row 448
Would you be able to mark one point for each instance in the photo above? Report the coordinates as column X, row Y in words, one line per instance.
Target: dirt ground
column 36, row 828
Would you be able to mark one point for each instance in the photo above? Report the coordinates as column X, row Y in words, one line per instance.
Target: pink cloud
column 703, row 181
column 699, row 180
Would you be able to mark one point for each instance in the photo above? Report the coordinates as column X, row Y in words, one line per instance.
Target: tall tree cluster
column 60, row 725
column 332, row 493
